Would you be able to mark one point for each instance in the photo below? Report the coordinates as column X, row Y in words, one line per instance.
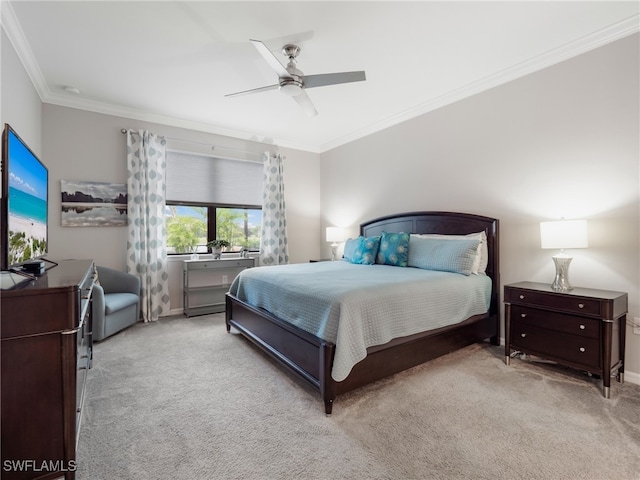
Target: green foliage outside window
column 184, row 234
column 187, row 228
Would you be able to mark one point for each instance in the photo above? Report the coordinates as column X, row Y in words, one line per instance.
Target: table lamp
column 563, row 234
column 334, row 235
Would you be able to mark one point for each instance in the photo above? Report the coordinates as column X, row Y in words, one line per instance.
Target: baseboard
column 632, row 377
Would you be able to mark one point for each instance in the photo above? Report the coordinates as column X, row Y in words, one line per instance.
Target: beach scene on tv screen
column 27, row 213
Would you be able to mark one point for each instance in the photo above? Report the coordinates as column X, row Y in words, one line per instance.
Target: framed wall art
column 93, row 204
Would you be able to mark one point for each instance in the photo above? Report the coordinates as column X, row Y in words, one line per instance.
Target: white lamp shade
column 564, row 234
column 335, row 234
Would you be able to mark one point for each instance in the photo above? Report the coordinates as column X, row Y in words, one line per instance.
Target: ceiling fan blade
column 253, row 90
column 323, row 79
column 270, row 58
column 305, row 102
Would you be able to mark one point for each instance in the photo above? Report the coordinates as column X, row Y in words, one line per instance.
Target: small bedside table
column 582, row 328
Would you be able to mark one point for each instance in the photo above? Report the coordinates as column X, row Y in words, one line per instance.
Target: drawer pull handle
column 582, row 349
column 521, row 297
column 581, row 305
column 523, row 335
column 582, row 327
column 523, row 315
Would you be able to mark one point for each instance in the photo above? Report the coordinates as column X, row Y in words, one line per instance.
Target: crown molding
column 588, row 42
column 19, row 41
column 145, row 116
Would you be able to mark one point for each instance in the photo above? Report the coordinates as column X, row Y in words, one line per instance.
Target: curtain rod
column 213, row 147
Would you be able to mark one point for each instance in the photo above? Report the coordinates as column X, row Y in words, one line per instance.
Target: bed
column 311, row 356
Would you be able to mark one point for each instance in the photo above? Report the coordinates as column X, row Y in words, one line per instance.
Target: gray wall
column 20, row 104
column 560, row 142
column 81, row 145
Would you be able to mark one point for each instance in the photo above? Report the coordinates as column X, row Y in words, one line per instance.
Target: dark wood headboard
column 450, row 223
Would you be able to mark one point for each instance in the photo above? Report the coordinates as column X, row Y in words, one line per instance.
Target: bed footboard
column 304, row 354
column 311, row 358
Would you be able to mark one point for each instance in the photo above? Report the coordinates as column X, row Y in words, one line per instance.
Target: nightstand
column 582, row 328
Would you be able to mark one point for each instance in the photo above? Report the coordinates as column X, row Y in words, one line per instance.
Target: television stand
column 10, row 279
column 45, row 350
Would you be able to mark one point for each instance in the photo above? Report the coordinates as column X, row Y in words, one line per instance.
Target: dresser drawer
column 566, row 303
column 561, row 322
column 575, row 349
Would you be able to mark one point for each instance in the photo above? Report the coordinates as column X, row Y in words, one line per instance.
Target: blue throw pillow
column 394, row 249
column 366, row 250
column 455, row 256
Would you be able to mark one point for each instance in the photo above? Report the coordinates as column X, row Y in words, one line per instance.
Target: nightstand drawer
column 567, row 303
column 562, row 346
column 561, row 322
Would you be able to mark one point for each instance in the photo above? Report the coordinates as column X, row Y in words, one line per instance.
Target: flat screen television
column 25, row 194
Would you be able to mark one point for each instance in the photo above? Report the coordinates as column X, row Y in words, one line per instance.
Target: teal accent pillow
column 394, row 249
column 455, row 256
column 366, row 250
column 349, row 249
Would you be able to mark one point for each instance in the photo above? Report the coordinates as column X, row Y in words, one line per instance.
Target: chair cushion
column 114, row 302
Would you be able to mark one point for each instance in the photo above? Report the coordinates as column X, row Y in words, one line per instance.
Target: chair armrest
column 98, row 310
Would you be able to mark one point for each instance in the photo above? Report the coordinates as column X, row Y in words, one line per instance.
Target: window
column 190, row 227
column 209, row 198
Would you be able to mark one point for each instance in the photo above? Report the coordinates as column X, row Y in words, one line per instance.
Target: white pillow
column 482, row 256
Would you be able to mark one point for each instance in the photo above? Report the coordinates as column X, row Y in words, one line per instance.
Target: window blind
column 209, row 179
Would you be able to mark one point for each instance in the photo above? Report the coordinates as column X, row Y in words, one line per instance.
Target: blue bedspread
column 359, row 306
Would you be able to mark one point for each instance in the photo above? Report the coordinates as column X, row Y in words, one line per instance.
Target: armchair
column 116, row 302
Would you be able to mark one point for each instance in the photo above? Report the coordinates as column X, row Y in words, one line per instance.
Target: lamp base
column 334, row 251
column 561, row 282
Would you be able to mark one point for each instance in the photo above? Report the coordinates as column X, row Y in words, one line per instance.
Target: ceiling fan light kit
column 292, row 82
column 291, row 88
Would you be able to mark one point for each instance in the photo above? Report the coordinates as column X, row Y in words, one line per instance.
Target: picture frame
column 93, row 204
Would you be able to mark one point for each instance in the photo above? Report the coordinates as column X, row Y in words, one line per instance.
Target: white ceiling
column 173, row 62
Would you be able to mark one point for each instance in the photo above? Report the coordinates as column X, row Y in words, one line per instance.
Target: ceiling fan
column 292, row 82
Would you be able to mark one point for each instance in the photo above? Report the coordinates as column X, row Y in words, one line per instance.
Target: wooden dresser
column 582, row 328
column 46, row 349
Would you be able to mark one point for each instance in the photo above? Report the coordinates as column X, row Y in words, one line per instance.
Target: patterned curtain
column 273, row 244
column 146, row 251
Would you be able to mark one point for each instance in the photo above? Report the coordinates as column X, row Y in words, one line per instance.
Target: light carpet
column 183, row 399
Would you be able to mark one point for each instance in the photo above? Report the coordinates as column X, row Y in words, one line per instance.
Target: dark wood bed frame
column 311, row 357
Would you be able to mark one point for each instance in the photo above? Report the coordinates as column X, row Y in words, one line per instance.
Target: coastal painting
column 93, row 204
